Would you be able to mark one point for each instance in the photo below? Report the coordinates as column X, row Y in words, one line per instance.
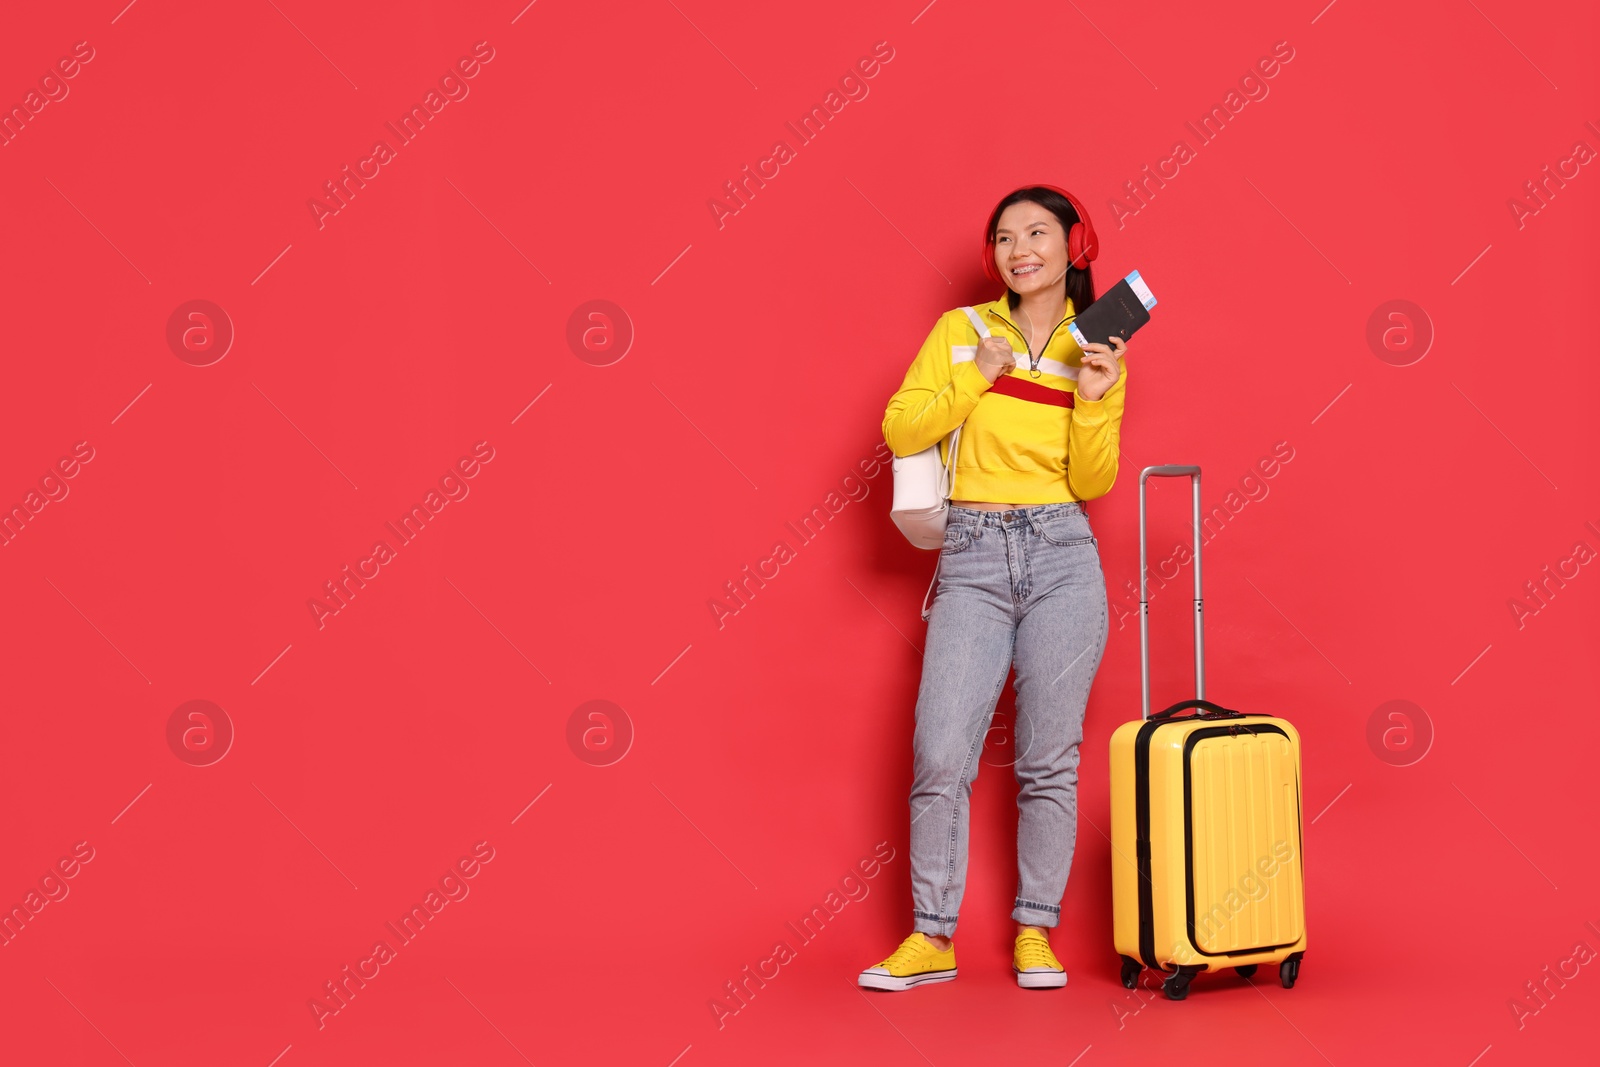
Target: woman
column 1019, row 577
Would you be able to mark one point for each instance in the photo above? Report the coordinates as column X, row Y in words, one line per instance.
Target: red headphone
column 1082, row 244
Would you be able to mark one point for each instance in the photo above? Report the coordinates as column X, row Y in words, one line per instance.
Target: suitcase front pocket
column 1242, row 840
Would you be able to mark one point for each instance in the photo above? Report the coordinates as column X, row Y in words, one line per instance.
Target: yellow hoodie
column 1012, row 450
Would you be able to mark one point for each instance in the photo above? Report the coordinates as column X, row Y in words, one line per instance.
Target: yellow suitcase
column 1206, row 866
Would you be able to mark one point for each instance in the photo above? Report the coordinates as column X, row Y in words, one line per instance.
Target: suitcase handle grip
column 1208, row 710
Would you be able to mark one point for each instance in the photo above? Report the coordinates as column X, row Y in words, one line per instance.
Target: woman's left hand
column 1102, row 366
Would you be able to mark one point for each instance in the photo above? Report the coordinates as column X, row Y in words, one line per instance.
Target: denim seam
column 965, row 542
column 1026, row 582
column 1027, row 567
column 1047, row 539
column 1038, row 526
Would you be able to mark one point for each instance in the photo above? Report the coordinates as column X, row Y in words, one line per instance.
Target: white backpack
column 922, row 486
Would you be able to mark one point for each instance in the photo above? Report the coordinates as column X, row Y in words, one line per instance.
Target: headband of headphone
column 1082, row 244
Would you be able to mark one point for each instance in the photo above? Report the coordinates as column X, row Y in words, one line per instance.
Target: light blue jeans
column 1019, row 588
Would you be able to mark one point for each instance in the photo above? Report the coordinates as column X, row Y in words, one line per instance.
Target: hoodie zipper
column 1033, row 361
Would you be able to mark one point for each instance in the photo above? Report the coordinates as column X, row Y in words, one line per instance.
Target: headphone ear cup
column 1090, row 245
column 1082, row 244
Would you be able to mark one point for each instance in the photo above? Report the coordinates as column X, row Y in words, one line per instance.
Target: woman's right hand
column 995, row 357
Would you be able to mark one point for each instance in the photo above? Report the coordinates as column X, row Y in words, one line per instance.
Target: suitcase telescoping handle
column 1192, row 473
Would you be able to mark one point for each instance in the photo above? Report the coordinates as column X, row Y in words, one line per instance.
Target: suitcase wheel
column 1289, row 970
column 1246, row 971
column 1130, row 972
column 1177, row 985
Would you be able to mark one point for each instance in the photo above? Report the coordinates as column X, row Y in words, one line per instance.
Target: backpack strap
column 949, row 472
column 977, row 322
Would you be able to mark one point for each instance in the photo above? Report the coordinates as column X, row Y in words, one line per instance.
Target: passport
column 1120, row 310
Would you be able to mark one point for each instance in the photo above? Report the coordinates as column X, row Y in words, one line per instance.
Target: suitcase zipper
column 1141, row 801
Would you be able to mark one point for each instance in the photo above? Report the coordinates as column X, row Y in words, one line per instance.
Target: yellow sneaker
column 1035, row 965
column 917, row 961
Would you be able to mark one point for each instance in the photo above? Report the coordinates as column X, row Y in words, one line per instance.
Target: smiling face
column 1030, row 247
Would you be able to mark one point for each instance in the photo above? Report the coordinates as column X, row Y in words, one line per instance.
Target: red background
column 769, row 756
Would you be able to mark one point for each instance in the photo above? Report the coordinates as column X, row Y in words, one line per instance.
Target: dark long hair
column 1080, row 282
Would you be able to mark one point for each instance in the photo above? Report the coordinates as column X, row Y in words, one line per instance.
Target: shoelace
column 909, row 948
column 1034, row 952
